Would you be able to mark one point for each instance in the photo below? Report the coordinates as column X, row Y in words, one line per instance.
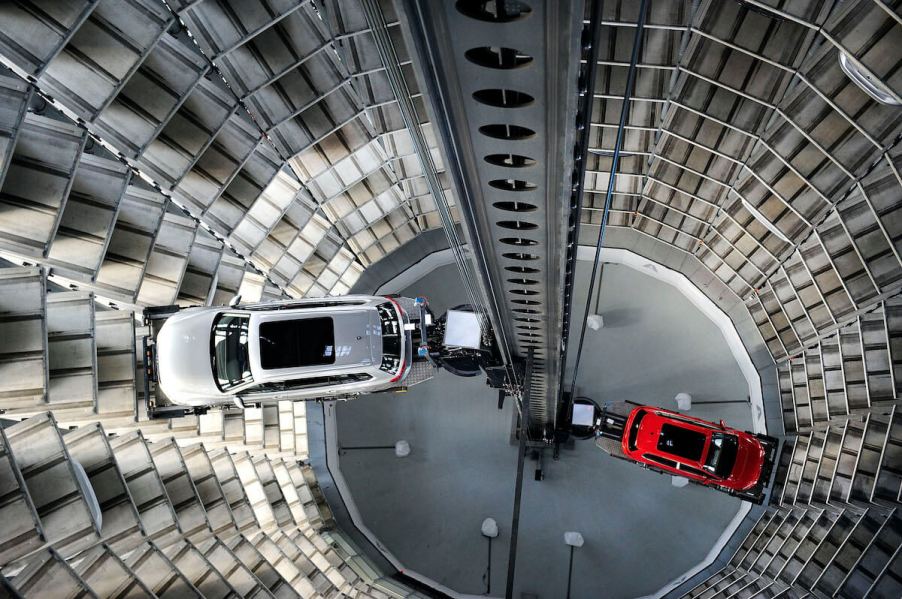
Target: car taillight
column 397, row 377
column 390, row 364
column 397, row 306
column 392, row 329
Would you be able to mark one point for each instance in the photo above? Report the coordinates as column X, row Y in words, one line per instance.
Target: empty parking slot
column 168, row 260
column 61, row 502
column 137, row 224
column 87, row 220
column 23, row 356
column 146, row 488
column 870, row 456
column 121, row 524
column 36, row 187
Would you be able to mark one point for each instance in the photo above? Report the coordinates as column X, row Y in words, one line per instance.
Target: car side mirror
column 234, row 301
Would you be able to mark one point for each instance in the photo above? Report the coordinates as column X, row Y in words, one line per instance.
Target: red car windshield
column 722, row 455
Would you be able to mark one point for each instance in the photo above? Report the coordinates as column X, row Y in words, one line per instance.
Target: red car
column 704, row 452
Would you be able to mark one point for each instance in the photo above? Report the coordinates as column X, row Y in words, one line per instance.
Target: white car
column 294, row 349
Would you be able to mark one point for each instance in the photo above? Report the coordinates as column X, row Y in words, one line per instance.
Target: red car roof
column 677, row 436
column 652, row 432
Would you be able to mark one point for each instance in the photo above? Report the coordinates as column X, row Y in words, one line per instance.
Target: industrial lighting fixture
column 463, row 329
column 583, row 414
column 574, row 540
column 679, row 481
column 595, row 322
column 762, row 219
column 868, row 83
column 683, row 401
column 402, row 449
column 490, row 531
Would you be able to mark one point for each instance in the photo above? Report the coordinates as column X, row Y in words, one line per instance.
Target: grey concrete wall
column 400, row 260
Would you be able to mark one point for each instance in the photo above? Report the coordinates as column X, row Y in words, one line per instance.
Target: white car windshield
column 231, row 363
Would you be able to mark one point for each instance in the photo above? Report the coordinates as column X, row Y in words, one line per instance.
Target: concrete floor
column 640, row 531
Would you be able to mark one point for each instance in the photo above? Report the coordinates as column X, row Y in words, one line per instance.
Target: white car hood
column 184, row 367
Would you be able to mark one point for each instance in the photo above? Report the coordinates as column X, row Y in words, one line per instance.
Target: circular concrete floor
column 640, row 532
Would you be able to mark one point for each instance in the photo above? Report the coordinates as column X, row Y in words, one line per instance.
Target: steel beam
column 485, row 106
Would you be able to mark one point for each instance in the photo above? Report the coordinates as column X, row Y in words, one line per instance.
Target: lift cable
column 618, row 144
column 398, row 84
column 522, row 439
column 475, row 261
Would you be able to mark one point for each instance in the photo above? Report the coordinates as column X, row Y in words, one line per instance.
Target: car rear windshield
column 231, row 365
column 296, row 343
column 634, row 430
column 722, row 455
column 392, row 329
column 682, row 442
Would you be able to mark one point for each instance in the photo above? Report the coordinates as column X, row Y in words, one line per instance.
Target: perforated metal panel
column 502, row 87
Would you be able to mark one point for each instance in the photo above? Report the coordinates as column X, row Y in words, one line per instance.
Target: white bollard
column 595, row 321
column 574, row 539
column 489, row 528
column 402, row 449
column 684, row 401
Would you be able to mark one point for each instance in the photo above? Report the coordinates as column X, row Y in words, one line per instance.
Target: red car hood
column 749, row 461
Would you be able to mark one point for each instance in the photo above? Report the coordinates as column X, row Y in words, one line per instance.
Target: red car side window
column 695, row 471
column 664, row 461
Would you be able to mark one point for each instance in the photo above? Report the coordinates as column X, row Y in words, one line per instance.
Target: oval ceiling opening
column 503, row 98
column 520, row 256
column 497, row 57
column 514, row 206
column 521, row 269
column 512, row 184
column 509, row 160
column 519, row 225
column 493, row 12
column 507, row 132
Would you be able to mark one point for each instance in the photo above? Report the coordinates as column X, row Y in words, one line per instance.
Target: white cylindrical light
column 402, row 449
column 683, row 401
column 489, row 528
column 574, row 539
column 595, row 321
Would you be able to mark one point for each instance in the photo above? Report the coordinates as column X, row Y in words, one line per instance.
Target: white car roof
column 357, row 341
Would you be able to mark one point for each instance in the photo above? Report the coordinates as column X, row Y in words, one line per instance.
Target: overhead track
column 590, row 41
column 501, row 84
column 376, row 21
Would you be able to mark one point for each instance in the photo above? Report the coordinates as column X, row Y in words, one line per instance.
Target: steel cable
column 618, row 144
